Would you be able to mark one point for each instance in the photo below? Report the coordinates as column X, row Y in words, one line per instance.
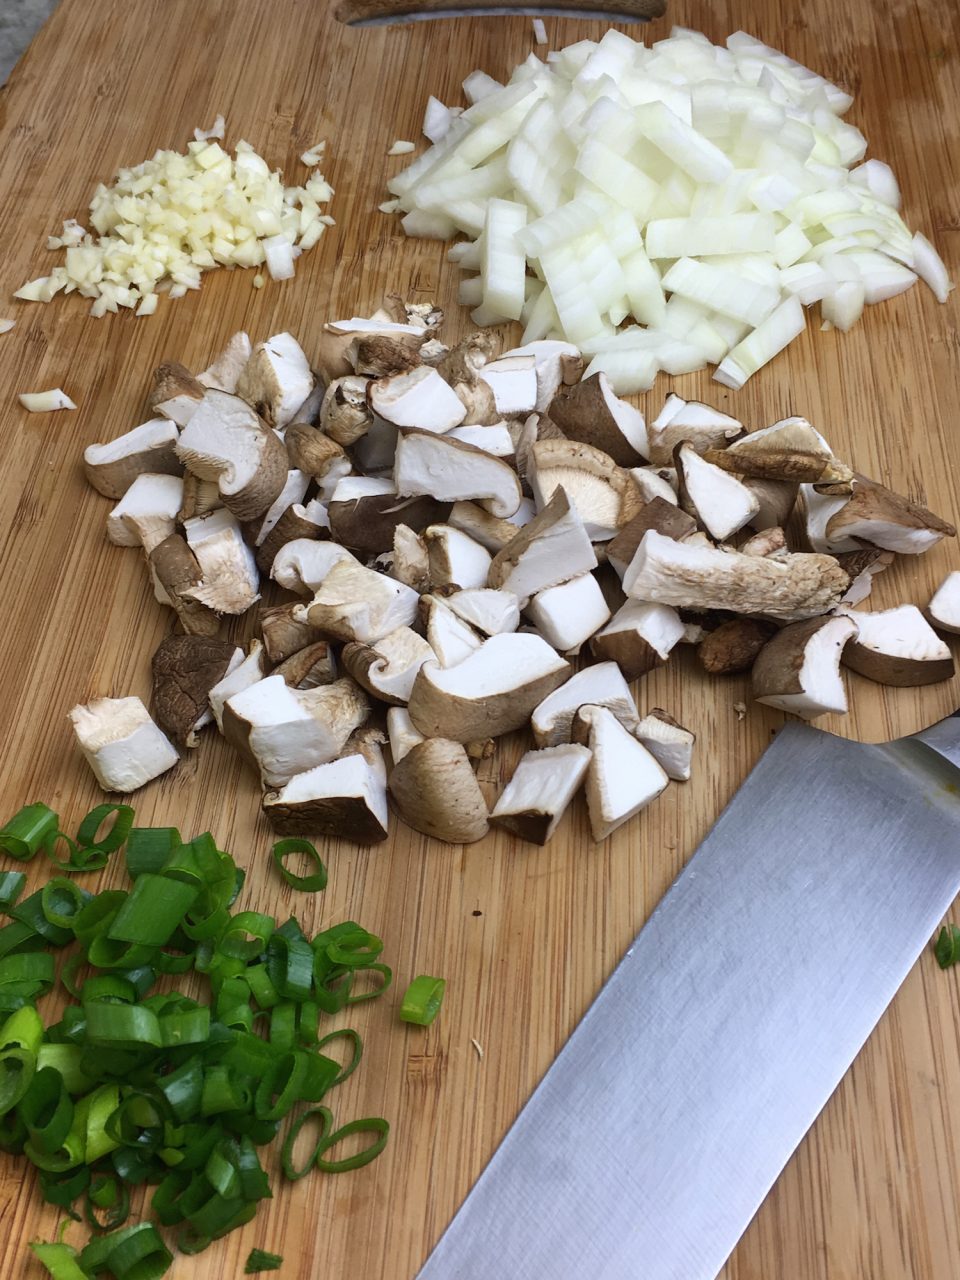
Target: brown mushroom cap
column 185, row 669
column 171, row 380
column 585, row 412
column 435, row 790
column 309, row 667
column 368, row 523
column 283, row 635
column 656, row 514
column 878, row 516
column 178, row 571
column 311, row 450
column 377, row 355
column 734, row 645
column 289, row 528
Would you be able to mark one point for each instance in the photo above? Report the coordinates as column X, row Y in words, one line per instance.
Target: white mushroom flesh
column 567, row 615
column 147, row 512
column 622, row 777
column 602, row 685
column 121, row 743
column 544, row 782
column 944, row 607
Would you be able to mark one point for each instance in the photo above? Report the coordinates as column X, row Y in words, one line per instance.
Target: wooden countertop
column 524, row 936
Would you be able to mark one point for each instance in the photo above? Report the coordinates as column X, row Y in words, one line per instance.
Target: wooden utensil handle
column 358, row 12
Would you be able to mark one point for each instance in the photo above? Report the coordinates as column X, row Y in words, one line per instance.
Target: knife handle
column 377, row 12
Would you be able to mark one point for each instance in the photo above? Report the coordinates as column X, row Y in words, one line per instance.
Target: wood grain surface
column 524, row 936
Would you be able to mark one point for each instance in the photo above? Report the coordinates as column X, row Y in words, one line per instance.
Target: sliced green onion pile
column 137, row 1086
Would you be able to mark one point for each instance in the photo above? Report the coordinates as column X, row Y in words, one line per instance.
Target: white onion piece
column 930, row 268
column 45, row 401
column 760, row 346
column 719, row 289
column 844, row 306
column 6, row 325
column 278, row 252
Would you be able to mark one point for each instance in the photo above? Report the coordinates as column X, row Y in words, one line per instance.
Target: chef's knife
column 370, row 13
column 654, row 1137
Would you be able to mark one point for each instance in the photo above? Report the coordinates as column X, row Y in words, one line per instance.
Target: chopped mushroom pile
column 457, row 531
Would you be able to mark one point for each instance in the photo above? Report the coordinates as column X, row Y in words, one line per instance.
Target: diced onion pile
column 707, row 192
column 167, row 220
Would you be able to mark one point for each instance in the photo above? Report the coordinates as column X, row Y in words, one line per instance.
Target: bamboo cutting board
column 524, row 936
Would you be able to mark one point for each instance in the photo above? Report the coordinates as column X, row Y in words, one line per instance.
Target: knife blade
column 656, row 1134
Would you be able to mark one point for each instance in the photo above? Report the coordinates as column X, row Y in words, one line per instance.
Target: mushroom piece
column 287, row 731
column 292, row 494
column 302, row 565
column 121, row 744
column 693, row 577
column 312, row 451
column 734, row 645
column 454, row 558
column 536, row 797
column 720, row 502
column 345, row 415
column 409, row 561
column 798, row 671
column 553, row 547
column 176, row 393
column 490, row 693
column 229, row 579
column 876, row 515
column 639, row 637
column 897, row 647
column 297, row 523
column 282, row 634
column 354, row 603
column 490, row 531
column 224, row 373
column 200, row 497
column 602, row 685
column 656, row 482
column 862, row 566
column 567, row 615
column 185, row 669
column 345, row 799
column 309, row 667
column 768, row 542
column 435, row 791
column 113, row 467
column 460, row 368
column 605, row 495
column 419, row 398
column 775, row 501
column 791, row 450
column 402, row 733
column 513, row 381
column 178, row 572
column 944, row 607
column 450, row 470
column 388, row 668
column 237, row 678
column 658, row 514
column 364, row 511
column 492, row 612
column 623, row 777
column 557, row 364
column 147, row 512
column 276, row 380
column 450, row 638
column 494, row 439
column 378, row 355
column 591, row 413
column 670, row 744
column 339, row 339
column 226, row 442
column 818, row 510
column 374, row 453
column 679, row 420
